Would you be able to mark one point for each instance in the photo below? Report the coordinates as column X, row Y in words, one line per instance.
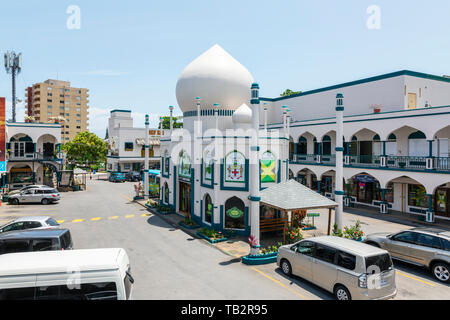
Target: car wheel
column 341, row 293
column 44, row 201
column 286, row 267
column 15, row 201
column 441, row 271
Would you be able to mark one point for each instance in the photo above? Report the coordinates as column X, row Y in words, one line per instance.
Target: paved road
column 169, row 264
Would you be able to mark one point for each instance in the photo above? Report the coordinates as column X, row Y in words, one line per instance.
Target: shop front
column 441, row 202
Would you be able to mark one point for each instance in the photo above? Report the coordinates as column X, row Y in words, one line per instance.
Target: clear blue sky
column 130, row 53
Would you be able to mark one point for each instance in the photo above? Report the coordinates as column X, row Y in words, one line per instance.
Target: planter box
column 195, row 226
column 209, row 239
column 309, row 228
column 260, row 259
column 138, row 198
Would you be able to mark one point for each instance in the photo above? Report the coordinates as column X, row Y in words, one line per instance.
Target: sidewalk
column 398, row 217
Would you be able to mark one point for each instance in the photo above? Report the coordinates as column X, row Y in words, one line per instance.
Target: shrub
column 352, row 232
column 293, row 234
column 297, row 217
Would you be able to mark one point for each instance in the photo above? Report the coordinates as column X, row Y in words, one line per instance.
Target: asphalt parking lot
column 167, row 263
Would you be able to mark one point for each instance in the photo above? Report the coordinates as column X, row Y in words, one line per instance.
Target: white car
column 23, row 223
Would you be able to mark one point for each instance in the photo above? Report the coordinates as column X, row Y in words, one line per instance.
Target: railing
column 31, row 156
column 441, row 164
column 365, row 160
column 304, row 158
column 406, row 162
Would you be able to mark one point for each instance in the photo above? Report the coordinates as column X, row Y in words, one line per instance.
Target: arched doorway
column 166, row 193
column 234, row 214
column 208, row 209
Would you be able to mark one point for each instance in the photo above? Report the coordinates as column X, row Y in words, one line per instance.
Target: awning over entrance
column 291, row 195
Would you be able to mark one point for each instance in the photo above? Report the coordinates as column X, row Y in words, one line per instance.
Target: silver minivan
column 349, row 269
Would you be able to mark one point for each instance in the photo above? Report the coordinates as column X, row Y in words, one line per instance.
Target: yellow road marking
column 145, row 215
column 113, row 217
column 60, row 221
column 279, row 283
column 78, row 220
column 95, row 219
column 129, row 216
column 414, row 278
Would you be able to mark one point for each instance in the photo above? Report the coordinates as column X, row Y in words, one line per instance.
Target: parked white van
column 87, row 274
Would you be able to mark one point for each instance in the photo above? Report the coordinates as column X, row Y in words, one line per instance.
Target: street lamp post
column 146, row 147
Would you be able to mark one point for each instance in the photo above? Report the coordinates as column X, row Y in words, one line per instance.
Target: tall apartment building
column 52, row 98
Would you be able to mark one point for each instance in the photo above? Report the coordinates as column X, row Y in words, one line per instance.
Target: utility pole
column 146, row 147
column 13, row 65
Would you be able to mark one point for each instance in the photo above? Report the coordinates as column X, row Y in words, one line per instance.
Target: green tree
column 87, row 150
column 176, row 124
column 289, row 92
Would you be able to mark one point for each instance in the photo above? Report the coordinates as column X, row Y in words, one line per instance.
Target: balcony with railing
column 408, row 163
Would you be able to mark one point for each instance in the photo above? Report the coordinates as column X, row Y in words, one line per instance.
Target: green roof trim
column 366, row 80
column 118, row 110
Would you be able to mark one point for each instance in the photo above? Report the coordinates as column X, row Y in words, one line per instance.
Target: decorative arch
column 234, row 214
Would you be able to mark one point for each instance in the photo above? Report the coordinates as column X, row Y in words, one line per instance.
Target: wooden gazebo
column 291, row 195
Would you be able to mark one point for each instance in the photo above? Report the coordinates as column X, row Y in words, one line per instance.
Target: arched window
column 376, row 137
column 326, row 145
column 418, row 146
column 302, row 146
column 234, row 167
column 234, row 213
column 208, row 208
column 166, row 162
column 184, row 163
column 166, row 193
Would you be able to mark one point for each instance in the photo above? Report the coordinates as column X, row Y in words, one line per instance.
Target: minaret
column 197, row 100
column 254, row 170
column 146, row 147
column 339, row 190
column 171, row 117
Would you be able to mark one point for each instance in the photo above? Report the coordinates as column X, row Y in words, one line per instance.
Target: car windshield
column 378, row 263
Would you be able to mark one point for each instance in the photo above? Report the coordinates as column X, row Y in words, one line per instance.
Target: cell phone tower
column 13, row 65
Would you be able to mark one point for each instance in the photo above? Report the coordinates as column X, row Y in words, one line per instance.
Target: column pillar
column 339, row 190
column 384, row 208
column 430, row 157
column 319, row 152
column 254, row 171
column 383, row 155
column 430, row 211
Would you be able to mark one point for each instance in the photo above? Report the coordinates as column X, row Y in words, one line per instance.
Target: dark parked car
column 35, row 240
column 117, row 177
column 133, row 176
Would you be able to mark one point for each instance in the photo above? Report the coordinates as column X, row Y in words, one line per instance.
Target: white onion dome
column 243, row 115
column 215, row 77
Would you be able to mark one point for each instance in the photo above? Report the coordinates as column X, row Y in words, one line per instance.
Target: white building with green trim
column 396, row 141
column 33, row 154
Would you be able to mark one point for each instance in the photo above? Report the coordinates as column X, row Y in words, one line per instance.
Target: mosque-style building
column 213, row 169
